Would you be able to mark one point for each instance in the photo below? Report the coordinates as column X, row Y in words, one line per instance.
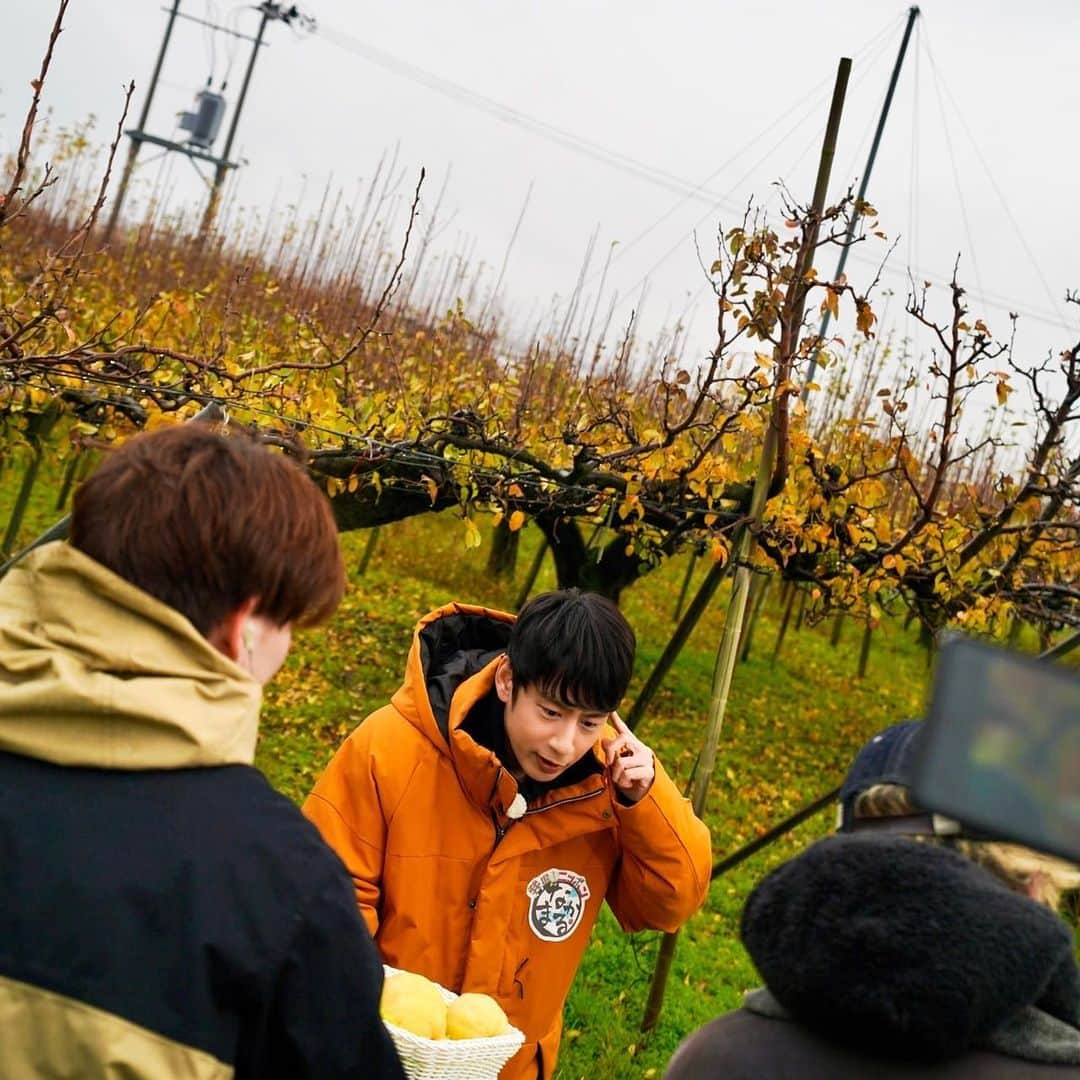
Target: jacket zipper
column 568, row 799
column 501, row 830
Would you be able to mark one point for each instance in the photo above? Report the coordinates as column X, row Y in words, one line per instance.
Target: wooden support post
column 864, row 650
column 686, row 584
column 758, row 589
column 693, row 613
column 502, row 558
column 369, row 550
column 38, row 427
column 532, row 575
column 67, row 481
column 802, row 609
column 792, row 593
column 726, row 654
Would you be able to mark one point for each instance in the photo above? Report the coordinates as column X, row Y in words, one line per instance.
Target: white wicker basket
column 452, row 1059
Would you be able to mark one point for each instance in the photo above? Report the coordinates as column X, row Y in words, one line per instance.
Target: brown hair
column 204, row 521
column 1015, row 865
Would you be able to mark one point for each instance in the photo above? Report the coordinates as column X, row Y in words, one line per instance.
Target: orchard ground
column 792, row 727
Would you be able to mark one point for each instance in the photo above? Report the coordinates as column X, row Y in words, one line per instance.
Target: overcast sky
column 979, row 157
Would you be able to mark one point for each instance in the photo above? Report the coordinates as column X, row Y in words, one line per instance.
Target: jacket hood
column 95, row 672
column 906, row 948
column 451, row 646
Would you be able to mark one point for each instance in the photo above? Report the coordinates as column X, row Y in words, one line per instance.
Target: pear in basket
column 412, row 1002
column 475, row 1016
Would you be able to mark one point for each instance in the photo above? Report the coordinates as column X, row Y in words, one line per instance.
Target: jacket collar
column 95, row 672
column 1030, row 1034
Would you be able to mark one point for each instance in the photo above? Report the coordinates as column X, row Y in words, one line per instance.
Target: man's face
column 546, row 736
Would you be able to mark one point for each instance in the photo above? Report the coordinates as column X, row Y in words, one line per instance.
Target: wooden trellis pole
column 726, row 654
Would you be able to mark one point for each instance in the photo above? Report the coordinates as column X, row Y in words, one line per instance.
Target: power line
column 639, row 169
column 561, row 136
column 1055, row 302
column 577, row 143
column 210, row 39
column 567, row 139
column 807, row 104
column 808, row 107
column 952, row 162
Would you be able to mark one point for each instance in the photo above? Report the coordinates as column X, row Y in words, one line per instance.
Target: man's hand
column 630, row 762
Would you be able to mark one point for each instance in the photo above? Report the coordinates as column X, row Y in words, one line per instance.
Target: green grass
column 792, row 727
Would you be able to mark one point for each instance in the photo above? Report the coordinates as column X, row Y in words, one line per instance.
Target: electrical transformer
column 205, row 120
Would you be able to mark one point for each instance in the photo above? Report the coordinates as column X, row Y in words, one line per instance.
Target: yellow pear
column 412, row 1002
column 475, row 1016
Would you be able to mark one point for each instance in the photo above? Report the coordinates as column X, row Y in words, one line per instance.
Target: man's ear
column 1036, row 885
column 228, row 636
column 504, row 680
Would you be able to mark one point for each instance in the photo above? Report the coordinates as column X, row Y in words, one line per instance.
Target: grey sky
column 681, row 87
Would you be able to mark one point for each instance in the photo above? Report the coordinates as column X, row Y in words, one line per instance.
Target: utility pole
column 203, row 128
column 270, row 10
column 913, row 14
column 133, row 147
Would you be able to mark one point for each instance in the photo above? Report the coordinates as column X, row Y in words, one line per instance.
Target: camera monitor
column 1000, row 749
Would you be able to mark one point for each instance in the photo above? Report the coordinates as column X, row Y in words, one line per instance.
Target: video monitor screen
column 1000, row 750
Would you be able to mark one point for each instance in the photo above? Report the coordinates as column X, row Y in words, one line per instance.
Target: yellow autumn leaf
column 864, row 317
column 517, row 519
column 161, row 419
column 472, row 534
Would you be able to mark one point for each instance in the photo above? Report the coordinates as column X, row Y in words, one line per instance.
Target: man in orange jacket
column 495, row 803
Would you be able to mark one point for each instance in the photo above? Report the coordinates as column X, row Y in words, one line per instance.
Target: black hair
column 576, row 647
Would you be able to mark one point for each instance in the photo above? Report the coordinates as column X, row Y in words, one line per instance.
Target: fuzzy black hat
column 905, row 948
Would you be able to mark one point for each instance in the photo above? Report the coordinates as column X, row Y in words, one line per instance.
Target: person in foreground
column 163, row 912
column 888, row 958
column 487, row 812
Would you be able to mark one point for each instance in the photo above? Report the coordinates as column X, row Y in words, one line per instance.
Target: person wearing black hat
column 889, row 958
column 876, row 797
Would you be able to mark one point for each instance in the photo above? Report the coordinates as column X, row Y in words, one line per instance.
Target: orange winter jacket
column 454, row 887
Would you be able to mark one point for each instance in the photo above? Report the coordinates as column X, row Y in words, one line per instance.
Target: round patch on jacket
column 556, row 903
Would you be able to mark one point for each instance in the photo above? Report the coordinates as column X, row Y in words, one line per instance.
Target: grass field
column 791, row 729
